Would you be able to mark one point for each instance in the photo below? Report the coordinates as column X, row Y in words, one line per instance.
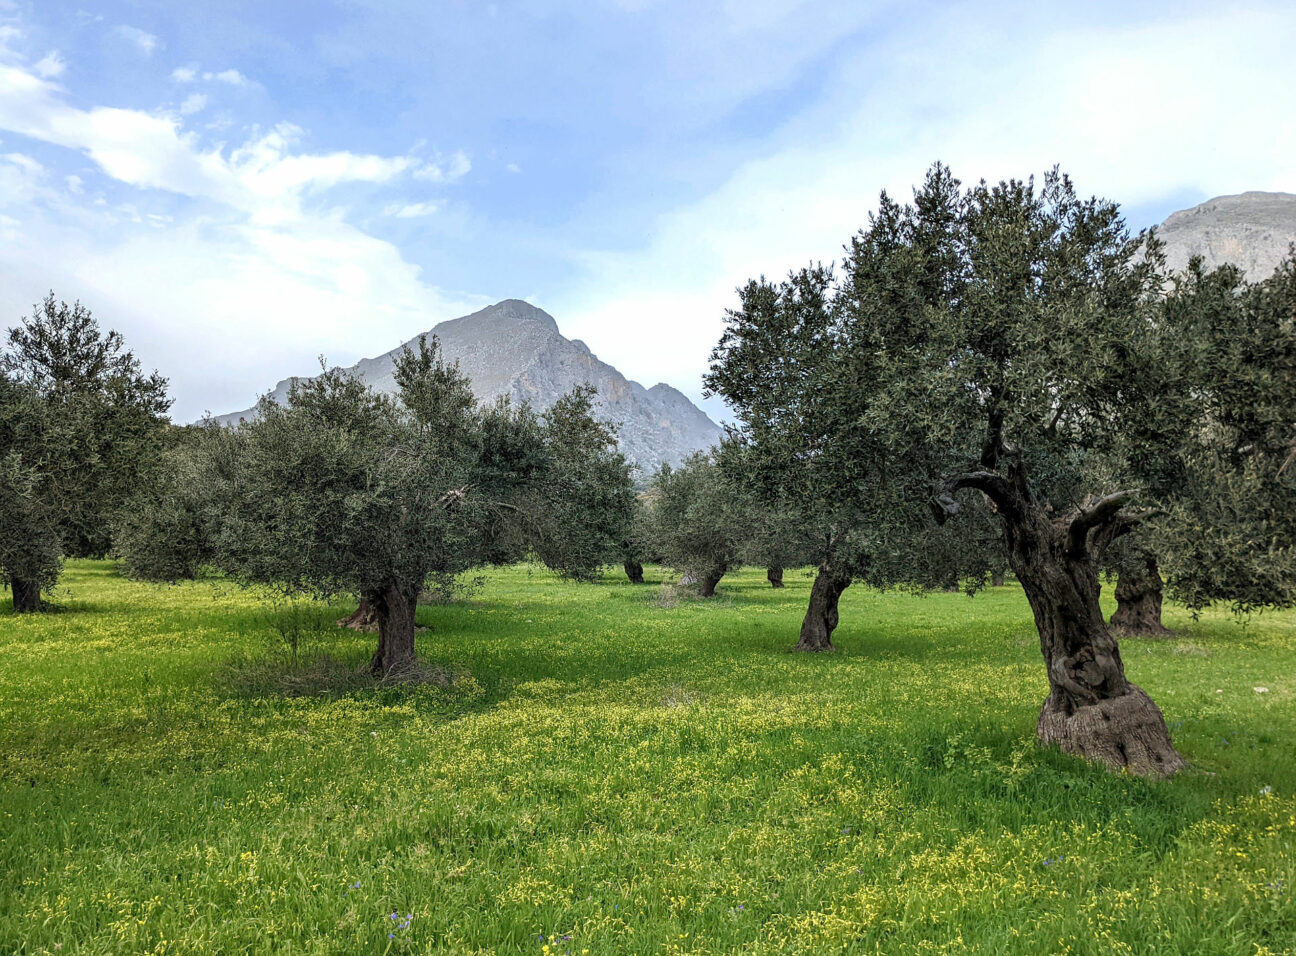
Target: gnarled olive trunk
column 821, row 616
column 26, row 596
column 1138, row 600
column 1091, row 710
column 395, row 607
column 634, row 571
column 774, row 576
column 706, row 584
column 363, row 618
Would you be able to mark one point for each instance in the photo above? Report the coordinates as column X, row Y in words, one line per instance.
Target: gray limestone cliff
column 514, row 349
column 1253, row 230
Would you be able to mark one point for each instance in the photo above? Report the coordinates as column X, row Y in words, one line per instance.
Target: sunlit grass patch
column 639, row 779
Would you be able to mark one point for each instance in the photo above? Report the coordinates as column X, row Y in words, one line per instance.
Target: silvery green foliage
column 697, row 520
column 90, row 423
column 343, row 490
column 1230, row 529
column 29, row 541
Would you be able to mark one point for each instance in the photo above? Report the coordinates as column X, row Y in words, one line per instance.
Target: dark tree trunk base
column 395, row 654
column 997, row 579
column 775, row 577
column 1138, row 603
column 1125, row 733
column 707, row 586
column 634, row 571
column 821, row 616
column 26, row 596
column 364, row 618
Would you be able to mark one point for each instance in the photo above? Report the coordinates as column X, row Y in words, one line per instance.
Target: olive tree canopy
column 978, row 352
column 344, row 491
column 80, row 423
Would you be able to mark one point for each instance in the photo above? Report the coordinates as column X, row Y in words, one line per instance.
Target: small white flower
column 1266, row 790
column 1219, row 692
column 373, row 733
column 1261, row 690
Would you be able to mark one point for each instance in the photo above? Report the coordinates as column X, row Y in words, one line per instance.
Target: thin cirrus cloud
column 671, row 151
column 1190, row 130
column 189, row 74
column 412, row 210
column 141, row 40
column 258, row 257
column 50, row 66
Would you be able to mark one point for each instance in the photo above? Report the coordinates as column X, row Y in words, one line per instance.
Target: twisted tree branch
column 990, row 483
column 1096, row 514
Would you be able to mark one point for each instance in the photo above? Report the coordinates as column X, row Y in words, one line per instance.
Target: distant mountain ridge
column 1252, row 230
column 513, row 348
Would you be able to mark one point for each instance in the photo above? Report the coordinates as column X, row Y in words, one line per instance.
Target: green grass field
column 608, row 775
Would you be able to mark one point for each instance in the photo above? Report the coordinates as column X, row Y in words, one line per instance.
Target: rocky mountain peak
column 1253, row 230
column 513, row 348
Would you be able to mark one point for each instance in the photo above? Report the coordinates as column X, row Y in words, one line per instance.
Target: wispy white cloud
column 190, row 73
column 193, row 103
column 9, row 35
column 51, row 65
column 412, row 210
column 143, row 41
column 1190, row 128
column 232, row 77
column 21, row 180
column 255, row 262
column 262, row 177
column 448, row 170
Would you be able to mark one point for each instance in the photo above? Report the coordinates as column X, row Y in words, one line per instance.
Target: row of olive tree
column 1013, row 352
column 344, row 491
column 719, row 511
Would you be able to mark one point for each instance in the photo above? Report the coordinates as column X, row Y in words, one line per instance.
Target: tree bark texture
column 395, row 607
column 706, row 584
column 634, row 571
column 821, row 616
column 26, row 596
column 363, row 618
column 774, row 576
column 1091, row 710
column 1138, row 601
column 997, row 579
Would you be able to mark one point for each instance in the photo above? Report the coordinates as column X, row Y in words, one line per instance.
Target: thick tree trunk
column 363, row 618
column 634, row 571
column 706, row 585
column 1138, row 601
column 997, row 579
column 821, row 616
column 395, row 607
column 1091, row 710
column 774, row 576
column 26, row 596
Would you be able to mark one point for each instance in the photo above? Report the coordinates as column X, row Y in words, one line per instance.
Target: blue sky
column 240, row 187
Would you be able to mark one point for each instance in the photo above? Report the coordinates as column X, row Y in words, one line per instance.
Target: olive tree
column 344, row 491
column 1229, row 531
column 79, row 424
column 696, row 521
column 976, row 354
column 806, row 448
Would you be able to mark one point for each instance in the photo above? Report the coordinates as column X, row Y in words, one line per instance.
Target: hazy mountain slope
column 512, row 348
column 1253, row 231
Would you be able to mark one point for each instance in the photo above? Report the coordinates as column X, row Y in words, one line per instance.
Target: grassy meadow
column 603, row 773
